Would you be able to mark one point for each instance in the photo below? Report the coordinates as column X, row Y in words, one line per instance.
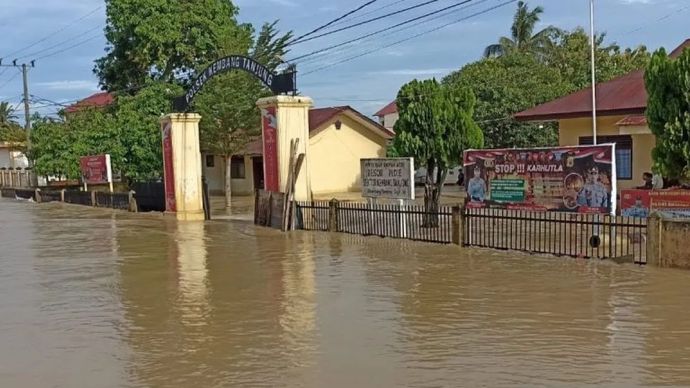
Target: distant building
column 97, row 100
column 11, row 158
column 621, row 106
column 339, row 138
column 388, row 115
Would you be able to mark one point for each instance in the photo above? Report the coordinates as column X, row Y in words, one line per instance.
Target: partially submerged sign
column 96, row 169
column 391, row 178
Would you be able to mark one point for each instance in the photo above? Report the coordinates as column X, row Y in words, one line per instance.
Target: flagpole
column 594, row 77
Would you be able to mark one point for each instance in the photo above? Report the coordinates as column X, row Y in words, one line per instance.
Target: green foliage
column 129, row 131
column 505, row 86
column 668, row 112
column 435, row 127
column 571, row 56
column 523, row 39
column 164, row 40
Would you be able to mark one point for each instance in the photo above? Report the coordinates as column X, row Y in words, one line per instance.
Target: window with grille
column 624, row 155
column 237, row 167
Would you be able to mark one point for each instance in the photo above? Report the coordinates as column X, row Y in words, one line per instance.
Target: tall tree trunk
column 432, row 194
column 228, row 181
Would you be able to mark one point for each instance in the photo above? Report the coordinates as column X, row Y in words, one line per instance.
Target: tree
column 522, row 37
column 435, row 126
column 668, row 113
column 571, row 56
column 163, row 40
column 227, row 104
column 505, row 86
column 7, row 115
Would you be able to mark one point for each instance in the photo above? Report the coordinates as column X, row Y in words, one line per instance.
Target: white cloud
column 285, row 3
column 69, row 85
column 413, row 72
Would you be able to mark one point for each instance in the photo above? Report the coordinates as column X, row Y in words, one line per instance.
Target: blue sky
column 367, row 83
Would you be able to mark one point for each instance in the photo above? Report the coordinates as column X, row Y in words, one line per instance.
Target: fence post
column 62, row 195
column 654, row 235
column 457, row 221
column 333, row 215
column 133, row 202
column 93, row 198
column 37, row 194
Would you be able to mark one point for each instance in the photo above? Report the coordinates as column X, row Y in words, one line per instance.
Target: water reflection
column 100, row 298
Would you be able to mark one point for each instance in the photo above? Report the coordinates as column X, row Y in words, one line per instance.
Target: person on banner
column 476, row 186
column 637, row 210
column 593, row 193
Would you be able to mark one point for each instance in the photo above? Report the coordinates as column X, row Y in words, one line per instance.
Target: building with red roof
column 388, row 115
column 97, row 100
column 621, row 107
column 339, row 137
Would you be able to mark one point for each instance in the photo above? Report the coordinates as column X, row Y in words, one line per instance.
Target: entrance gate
column 564, row 234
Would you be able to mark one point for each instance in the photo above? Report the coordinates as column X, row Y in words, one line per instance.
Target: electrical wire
column 479, row 13
column 408, row 21
column 33, row 54
column 368, row 13
column 317, row 29
column 52, row 34
column 69, row 47
column 10, row 79
column 364, row 22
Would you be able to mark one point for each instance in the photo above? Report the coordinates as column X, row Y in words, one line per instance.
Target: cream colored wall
column 215, row 176
column 390, row 119
column 571, row 130
column 336, row 154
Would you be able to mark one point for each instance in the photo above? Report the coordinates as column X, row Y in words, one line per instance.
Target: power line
column 10, row 79
column 365, row 22
column 312, row 32
column 667, row 16
column 384, row 29
column 56, row 52
column 411, row 37
column 370, row 12
column 52, row 34
column 61, row 43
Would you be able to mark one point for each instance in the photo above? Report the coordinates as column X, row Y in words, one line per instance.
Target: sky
column 67, row 36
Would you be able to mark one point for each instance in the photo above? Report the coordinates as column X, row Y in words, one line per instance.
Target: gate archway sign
column 281, row 83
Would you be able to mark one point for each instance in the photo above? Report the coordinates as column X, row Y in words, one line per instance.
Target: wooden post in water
column 93, row 198
column 133, row 202
column 37, row 194
column 62, row 195
column 333, row 215
column 457, row 225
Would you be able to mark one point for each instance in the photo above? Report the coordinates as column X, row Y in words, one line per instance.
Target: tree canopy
column 165, row 40
column 436, row 125
column 522, row 37
column 668, row 112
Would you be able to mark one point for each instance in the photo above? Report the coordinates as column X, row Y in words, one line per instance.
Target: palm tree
column 7, row 115
column 522, row 38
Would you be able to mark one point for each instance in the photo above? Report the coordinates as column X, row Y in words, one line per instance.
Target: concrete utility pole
column 27, row 114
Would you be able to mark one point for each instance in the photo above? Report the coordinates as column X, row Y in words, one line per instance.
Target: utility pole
column 27, row 114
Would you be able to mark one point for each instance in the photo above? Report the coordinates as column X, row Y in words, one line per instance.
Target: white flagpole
column 594, row 78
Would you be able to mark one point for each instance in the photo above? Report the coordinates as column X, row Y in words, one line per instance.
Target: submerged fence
column 394, row 221
column 120, row 201
column 599, row 236
column 562, row 234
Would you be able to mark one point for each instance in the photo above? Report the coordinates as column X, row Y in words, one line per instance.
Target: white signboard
column 391, row 178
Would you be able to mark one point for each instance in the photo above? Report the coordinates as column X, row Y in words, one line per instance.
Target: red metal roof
column 388, row 109
column 619, row 96
column 632, row 121
column 622, row 95
column 95, row 101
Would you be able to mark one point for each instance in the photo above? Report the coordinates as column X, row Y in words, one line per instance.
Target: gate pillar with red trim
column 283, row 119
column 182, row 166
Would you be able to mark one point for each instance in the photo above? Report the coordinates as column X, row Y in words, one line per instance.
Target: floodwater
column 96, row 298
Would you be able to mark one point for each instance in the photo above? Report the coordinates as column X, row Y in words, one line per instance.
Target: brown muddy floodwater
column 95, row 298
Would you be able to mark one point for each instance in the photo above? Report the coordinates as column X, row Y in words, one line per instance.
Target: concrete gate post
column 182, row 166
column 285, row 118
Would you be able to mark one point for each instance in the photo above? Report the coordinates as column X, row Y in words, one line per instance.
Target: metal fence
column 51, row 196
column 78, row 197
column 394, row 221
column 562, row 234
